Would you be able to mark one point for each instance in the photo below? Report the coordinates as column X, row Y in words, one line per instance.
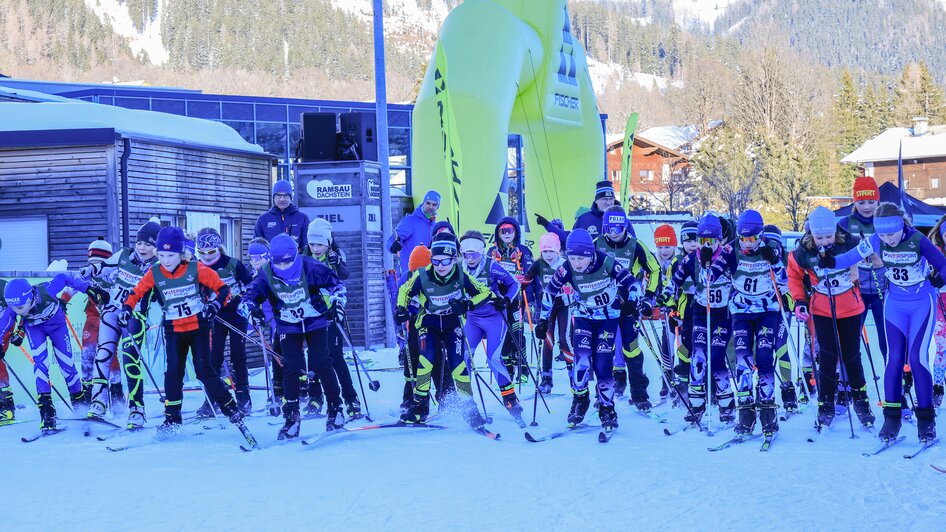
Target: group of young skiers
column 714, row 304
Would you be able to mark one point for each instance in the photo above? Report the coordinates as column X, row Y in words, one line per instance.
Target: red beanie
column 665, row 236
column 865, row 188
column 420, row 258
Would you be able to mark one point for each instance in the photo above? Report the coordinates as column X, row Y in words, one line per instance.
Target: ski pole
column 73, row 331
column 837, row 345
column 25, row 389
column 710, row 379
column 358, row 372
column 783, row 313
column 270, row 392
column 248, row 338
column 684, row 400
column 535, row 349
column 144, row 363
column 870, row 358
column 373, row 385
column 531, row 374
column 51, row 385
column 468, row 358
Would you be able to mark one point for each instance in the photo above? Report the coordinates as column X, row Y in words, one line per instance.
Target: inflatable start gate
column 503, row 67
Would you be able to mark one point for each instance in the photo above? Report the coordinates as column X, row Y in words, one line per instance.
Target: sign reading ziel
column 326, row 190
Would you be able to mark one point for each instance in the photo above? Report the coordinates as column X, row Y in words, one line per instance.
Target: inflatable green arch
column 503, row 67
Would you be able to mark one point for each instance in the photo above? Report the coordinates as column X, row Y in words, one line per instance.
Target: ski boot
column 171, row 425
column 244, row 402
column 580, row 403
column 727, row 410
column 825, row 414
column 746, row 419
column 97, row 410
column 417, row 411
column 892, row 421
column 682, row 388
column 314, row 407
column 789, row 399
column 664, row 389
column 523, row 375
column 79, row 400
column 695, row 413
column 472, row 416
column 116, row 396
column 353, row 409
column 926, row 424
column 7, row 407
column 608, row 417
column 207, row 411
column 907, row 413
column 809, row 380
column 862, row 408
column 620, row 382
column 768, row 417
column 290, row 412
column 843, row 397
column 642, row 405
column 136, row 417
column 511, row 402
column 47, row 412
column 334, row 417
column 545, row 386
column 937, row 395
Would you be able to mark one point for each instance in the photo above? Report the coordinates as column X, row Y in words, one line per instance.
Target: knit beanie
column 444, row 244
column 688, row 231
column 99, row 250
column 749, row 223
column 604, row 189
column 17, row 292
column 549, row 242
column 282, row 187
column 821, row 221
column 420, row 258
column 318, row 233
column 148, row 232
column 579, row 243
column 665, row 236
column 865, row 188
column 171, row 239
column 709, row 227
column 283, row 248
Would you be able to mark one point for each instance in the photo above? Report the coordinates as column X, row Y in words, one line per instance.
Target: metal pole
column 381, row 114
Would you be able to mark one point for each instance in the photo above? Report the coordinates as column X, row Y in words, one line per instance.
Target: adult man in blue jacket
column 284, row 217
column 415, row 228
column 604, row 199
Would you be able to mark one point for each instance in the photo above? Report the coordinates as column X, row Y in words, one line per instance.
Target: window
column 934, row 182
column 24, row 244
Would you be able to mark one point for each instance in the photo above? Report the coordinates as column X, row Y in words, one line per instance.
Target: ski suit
column 485, row 322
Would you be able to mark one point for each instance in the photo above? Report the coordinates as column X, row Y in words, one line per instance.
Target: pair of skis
column 314, row 440
column 604, row 435
column 923, row 446
column 767, row 440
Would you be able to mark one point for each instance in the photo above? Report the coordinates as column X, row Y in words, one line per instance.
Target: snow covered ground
column 457, row 480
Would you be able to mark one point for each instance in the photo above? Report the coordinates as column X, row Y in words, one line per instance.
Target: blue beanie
column 282, row 187
column 579, row 243
column 821, row 221
column 604, row 189
column 772, row 232
column 614, row 217
column 283, row 248
column 432, row 195
column 148, row 233
column 749, row 223
column 171, row 239
column 709, row 227
column 17, row 292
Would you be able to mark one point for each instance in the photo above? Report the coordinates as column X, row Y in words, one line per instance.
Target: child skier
column 419, row 259
column 488, row 322
column 665, row 242
column 601, row 288
column 7, row 406
column 119, row 274
column 637, row 259
column 712, row 283
column 680, row 308
column 772, row 238
column 231, row 271
column 909, row 312
column 443, row 294
column 755, row 270
column 823, row 241
column 541, row 274
column 42, row 317
column 937, row 236
column 515, row 258
column 322, row 247
column 293, row 285
column 190, row 295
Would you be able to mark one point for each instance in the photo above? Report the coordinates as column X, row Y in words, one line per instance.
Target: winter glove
column 541, row 220
column 769, row 254
column 786, row 301
column 210, row 310
column 459, row 306
column 98, row 296
column 826, row 260
column 500, row 303
column 706, row 255
column 245, row 309
column 333, row 258
column 17, row 337
column 124, row 316
column 629, row 307
column 401, row 315
column 542, row 328
column 665, row 300
column 396, row 246
column 234, row 302
column 801, row 311
column 335, row 313
column 646, row 306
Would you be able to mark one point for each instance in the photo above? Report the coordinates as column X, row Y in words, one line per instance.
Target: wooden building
column 653, row 166
column 72, row 172
column 923, row 149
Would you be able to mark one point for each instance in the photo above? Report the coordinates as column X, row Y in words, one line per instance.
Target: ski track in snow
column 398, row 478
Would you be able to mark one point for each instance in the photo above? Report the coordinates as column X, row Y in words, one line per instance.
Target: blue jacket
column 318, row 276
column 53, row 313
column 590, row 221
column 292, row 221
column 413, row 230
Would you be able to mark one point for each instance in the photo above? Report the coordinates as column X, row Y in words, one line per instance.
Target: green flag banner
column 627, row 152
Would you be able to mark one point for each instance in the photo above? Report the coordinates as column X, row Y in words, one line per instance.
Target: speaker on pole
column 318, row 136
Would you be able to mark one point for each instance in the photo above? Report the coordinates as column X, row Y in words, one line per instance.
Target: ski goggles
column 707, row 240
column 507, row 230
column 259, row 258
column 442, row 262
column 615, row 229
column 749, row 239
column 212, row 251
column 472, row 255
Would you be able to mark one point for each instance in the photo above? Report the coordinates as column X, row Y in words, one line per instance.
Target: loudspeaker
column 318, row 136
column 360, row 126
